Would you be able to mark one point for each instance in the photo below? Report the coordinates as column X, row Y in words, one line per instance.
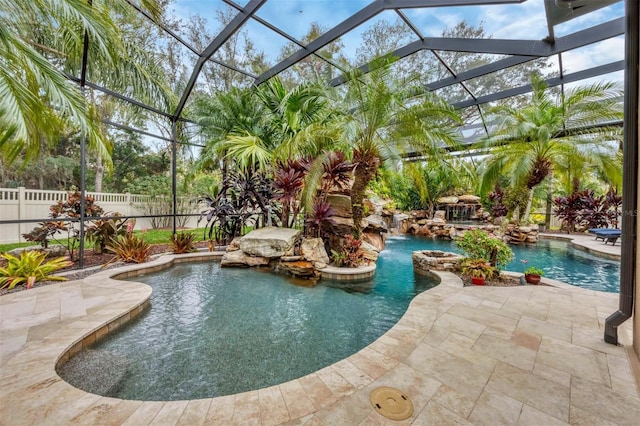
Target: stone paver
column 526, row 355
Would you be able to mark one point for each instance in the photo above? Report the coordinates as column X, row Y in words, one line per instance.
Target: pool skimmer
column 391, row 403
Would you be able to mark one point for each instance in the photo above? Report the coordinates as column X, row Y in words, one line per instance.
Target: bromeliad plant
column 129, row 248
column 30, row 268
column 349, row 255
column 478, row 268
column 183, row 242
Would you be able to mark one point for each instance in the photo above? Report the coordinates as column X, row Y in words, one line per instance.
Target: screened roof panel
column 510, row 21
column 600, row 53
column 604, row 14
column 512, row 77
column 296, row 17
column 262, row 40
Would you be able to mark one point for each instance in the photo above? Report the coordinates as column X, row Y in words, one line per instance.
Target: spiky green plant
column 30, row 268
column 183, row 242
column 129, row 248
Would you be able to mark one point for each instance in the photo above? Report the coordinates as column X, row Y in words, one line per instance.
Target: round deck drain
column 391, row 403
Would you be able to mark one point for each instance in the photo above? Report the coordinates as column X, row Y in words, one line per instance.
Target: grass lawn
column 152, row 236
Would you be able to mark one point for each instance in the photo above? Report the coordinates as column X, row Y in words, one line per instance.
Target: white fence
column 24, row 204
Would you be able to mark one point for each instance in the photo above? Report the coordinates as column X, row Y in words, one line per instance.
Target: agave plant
column 30, row 268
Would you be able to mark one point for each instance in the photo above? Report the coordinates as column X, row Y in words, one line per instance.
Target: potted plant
column 478, row 270
column 532, row 275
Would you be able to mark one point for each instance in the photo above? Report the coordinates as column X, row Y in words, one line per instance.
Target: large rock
column 270, row 242
column 448, row 200
column 241, row 259
column 375, row 223
column 341, row 205
column 469, row 199
column 342, row 226
column 312, row 249
column 440, row 214
column 369, row 252
column 375, row 239
column 300, row 268
column 54, row 250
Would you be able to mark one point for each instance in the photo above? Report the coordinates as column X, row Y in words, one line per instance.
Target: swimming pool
column 215, row 331
column 558, row 259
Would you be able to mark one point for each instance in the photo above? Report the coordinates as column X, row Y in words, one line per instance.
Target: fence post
column 22, row 210
column 127, row 197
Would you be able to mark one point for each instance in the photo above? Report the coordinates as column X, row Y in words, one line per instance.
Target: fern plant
column 183, row 242
column 30, row 268
column 129, row 248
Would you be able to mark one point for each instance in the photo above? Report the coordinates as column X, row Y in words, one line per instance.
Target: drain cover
column 391, row 403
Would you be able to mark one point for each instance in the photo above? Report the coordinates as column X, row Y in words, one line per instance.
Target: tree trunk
column 527, row 210
column 99, row 174
column 363, row 173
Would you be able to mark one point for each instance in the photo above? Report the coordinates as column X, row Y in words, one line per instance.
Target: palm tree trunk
column 366, row 168
column 99, row 174
column 527, row 210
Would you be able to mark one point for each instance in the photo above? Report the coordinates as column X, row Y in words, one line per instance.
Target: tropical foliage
column 531, row 143
column 479, row 244
column 30, row 268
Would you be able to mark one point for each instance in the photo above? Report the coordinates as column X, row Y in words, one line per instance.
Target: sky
column 525, row 21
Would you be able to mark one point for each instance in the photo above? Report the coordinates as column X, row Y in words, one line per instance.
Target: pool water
column 215, row 331
column 558, row 259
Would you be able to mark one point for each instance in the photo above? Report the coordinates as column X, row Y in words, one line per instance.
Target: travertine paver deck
column 529, row 355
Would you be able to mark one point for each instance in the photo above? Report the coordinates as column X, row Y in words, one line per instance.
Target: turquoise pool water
column 215, row 331
column 558, row 259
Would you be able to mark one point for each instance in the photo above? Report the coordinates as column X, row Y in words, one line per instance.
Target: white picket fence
column 23, row 204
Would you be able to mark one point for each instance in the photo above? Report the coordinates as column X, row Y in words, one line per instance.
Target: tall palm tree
column 551, row 134
column 36, row 100
column 389, row 116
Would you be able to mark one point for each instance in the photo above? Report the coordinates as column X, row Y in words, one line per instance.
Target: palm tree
column 37, row 101
column 254, row 127
column 560, row 136
column 389, row 116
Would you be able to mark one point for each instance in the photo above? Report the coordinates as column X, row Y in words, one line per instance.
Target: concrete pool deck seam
column 472, row 326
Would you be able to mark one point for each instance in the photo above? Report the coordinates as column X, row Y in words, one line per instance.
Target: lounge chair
column 608, row 235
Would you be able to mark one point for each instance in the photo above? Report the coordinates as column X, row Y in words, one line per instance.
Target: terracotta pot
column 532, row 278
column 477, row 280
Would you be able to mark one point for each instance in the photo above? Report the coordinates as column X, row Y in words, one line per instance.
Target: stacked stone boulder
column 436, row 227
column 515, row 234
column 435, row 260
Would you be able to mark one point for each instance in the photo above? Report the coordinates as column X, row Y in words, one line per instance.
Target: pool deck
column 528, row 355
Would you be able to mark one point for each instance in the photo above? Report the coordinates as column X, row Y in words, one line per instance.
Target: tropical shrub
column 129, row 248
column 479, row 244
column 244, row 199
column 349, row 254
column 101, row 231
column 321, row 216
column 585, row 209
column 30, row 268
column 477, row 268
column 68, row 209
column 183, row 242
column 497, row 208
column 288, row 182
column 42, row 233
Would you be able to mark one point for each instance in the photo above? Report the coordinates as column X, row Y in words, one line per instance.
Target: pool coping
column 41, row 357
